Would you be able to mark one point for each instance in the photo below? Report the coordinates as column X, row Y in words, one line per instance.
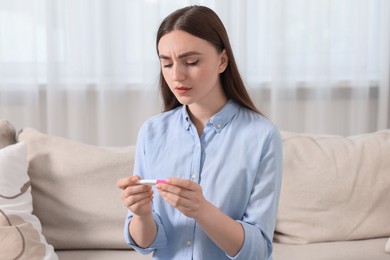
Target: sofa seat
column 369, row 249
column 101, row 254
column 366, row 249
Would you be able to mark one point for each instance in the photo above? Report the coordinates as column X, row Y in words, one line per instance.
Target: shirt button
column 197, row 146
column 218, row 126
column 193, row 176
column 189, row 242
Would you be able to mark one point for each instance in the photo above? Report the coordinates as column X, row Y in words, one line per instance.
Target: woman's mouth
column 182, row 90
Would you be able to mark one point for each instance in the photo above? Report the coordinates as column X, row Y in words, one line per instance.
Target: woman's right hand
column 137, row 198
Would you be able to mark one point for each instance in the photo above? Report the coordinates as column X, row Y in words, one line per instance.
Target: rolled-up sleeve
column 255, row 245
column 159, row 242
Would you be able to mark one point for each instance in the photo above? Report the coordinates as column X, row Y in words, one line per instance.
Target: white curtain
column 88, row 69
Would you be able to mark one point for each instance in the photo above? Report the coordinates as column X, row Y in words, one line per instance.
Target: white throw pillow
column 20, row 230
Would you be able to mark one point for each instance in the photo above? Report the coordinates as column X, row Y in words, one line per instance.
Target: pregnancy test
column 151, row 182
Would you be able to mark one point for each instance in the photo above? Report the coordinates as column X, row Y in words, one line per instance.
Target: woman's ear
column 224, row 61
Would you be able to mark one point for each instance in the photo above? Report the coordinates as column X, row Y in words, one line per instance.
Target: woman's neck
column 200, row 114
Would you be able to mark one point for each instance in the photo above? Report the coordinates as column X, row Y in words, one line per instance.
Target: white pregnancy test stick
column 150, row 182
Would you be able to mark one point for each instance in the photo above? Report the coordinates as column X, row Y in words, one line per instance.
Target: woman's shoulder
column 161, row 121
column 253, row 118
column 256, row 123
column 163, row 116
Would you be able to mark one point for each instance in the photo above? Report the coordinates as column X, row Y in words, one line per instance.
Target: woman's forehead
column 179, row 42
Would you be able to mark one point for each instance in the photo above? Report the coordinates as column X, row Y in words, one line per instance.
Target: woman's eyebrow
column 183, row 55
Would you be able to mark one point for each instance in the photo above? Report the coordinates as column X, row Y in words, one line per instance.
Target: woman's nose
column 178, row 73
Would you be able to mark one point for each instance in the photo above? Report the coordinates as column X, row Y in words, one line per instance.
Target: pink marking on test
column 162, row 181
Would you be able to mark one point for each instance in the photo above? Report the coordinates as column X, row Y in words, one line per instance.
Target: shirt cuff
column 255, row 247
column 159, row 242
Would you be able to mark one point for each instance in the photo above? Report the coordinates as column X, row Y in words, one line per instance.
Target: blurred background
column 88, row 69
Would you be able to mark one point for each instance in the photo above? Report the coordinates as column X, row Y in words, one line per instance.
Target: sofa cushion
column 74, row 190
column 7, row 133
column 334, row 188
column 366, row 249
column 122, row 254
column 20, row 230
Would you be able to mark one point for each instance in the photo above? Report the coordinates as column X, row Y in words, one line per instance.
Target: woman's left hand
column 184, row 195
column 187, row 197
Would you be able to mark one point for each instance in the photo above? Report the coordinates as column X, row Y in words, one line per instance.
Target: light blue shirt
column 238, row 162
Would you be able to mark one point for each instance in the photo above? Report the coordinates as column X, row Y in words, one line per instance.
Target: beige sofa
column 335, row 200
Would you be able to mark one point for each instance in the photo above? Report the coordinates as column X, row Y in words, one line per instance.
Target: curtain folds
column 88, row 70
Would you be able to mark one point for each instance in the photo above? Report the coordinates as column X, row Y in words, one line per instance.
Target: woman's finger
column 183, row 183
column 128, row 181
column 137, row 198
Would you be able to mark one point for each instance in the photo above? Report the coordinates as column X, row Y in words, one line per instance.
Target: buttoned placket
column 194, row 175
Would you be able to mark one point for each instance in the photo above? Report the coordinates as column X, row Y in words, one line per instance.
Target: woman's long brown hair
column 204, row 23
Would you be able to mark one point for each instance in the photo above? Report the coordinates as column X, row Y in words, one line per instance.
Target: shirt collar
column 219, row 120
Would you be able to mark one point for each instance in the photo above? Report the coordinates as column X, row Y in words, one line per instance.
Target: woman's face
column 191, row 68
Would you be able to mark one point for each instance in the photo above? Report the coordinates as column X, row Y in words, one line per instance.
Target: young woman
column 220, row 157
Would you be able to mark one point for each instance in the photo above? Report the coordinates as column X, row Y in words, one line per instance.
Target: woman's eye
column 192, row 63
column 167, row 65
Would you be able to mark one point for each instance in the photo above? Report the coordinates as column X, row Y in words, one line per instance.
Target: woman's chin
column 184, row 100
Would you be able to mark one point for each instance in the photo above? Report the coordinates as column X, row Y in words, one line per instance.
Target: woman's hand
column 137, row 198
column 187, row 197
column 184, row 195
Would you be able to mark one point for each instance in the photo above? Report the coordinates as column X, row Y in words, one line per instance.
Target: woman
column 220, row 157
